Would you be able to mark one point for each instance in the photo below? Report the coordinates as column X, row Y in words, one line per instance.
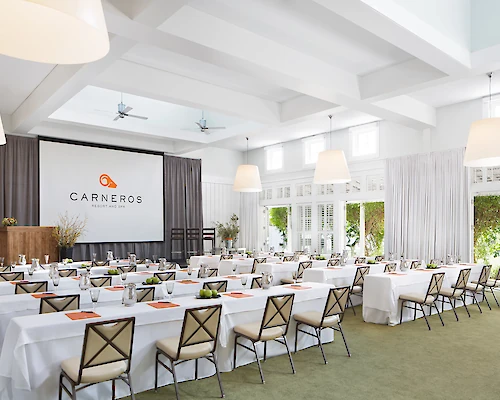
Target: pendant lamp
column 53, row 31
column 331, row 166
column 247, row 178
column 3, row 140
column 483, row 145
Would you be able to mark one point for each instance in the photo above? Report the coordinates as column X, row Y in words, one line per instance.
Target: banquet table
column 284, row 270
column 211, row 260
column 35, row 345
column 243, row 265
column 381, row 292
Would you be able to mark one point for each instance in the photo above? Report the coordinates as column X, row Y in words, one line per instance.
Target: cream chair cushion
column 448, row 292
column 252, row 331
column 290, row 281
column 473, row 287
column 357, row 289
column 313, row 318
column 170, row 346
column 418, row 298
column 490, row 283
column 101, row 373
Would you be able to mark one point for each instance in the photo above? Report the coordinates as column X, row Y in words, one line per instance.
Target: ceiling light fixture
column 483, row 144
column 3, row 140
column 331, row 166
column 53, row 31
column 247, row 178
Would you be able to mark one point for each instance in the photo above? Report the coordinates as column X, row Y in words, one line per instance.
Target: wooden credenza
column 33, row 241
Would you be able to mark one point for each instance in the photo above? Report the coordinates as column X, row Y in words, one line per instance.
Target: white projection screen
column 119, row 192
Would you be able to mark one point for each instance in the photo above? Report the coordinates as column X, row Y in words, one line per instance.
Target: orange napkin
column 82, row 315
column 163, row 305
column 115, row 288
column 187, row 281
column 333, row 268
column 396, row 274
column 16, row 282
column 77, row 278
column 40, row 295
column 238, row 295
column 279, row 262
column 234, row 277
column 299, row 287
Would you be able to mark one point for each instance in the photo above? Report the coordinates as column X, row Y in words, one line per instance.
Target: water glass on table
column 244, row 280
column 123, row 277
column 55, row 280
column 155, row 257
column 2, row 259
column 169, row 287
column 94, row 296
column 46, row 256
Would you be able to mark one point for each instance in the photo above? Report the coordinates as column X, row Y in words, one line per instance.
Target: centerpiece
column 9, row 221
column 228, row 232
column 66, row 232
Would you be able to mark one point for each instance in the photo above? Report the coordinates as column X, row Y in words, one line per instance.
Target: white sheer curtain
column 249, row 221
column 427, row 206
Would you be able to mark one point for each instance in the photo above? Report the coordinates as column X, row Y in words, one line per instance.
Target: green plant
column 486, row 227
column 352, row 212
column 371, row 262
column 374, row 228
column 9, row 221
column 432, row 266
column 229, row 230
column 68, row 230
column 278, row 217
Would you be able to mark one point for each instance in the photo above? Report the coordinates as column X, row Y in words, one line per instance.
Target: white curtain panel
column 249, row 221
column 428, row 206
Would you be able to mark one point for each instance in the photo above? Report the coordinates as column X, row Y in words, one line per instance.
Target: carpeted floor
column 457, row 361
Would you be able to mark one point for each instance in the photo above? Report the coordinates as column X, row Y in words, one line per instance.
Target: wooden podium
column 33, row 241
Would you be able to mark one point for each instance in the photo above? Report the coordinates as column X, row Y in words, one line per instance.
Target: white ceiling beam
column 161, row 85
column 410, row 108
column 396, row 25
column 303, row 107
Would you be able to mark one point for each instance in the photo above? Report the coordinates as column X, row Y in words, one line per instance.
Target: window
column 477, row 175
column 274, row 158
column 364, row 141
column 304, row 220
column 325, row 189
column 303, row 190
column 312, row 147
column 374, row 182
column 353, row 186
column 269, row 194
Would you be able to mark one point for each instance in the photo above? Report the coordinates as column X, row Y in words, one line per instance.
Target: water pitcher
column 84, row 280
column 129, row 295
column 109, row 256
column 35, row 262
column 21, row 260
column 163, row 264
column 267, row 280
column 133, row 260
column 203, row 271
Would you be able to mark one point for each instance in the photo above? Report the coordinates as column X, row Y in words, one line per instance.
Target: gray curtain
column 19, row 180
column 183, row 205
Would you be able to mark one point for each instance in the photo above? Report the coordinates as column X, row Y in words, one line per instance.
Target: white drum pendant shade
column 53, row 31
column 331, row 168
column 2, row 134
column 483, row 145
column 247, row 179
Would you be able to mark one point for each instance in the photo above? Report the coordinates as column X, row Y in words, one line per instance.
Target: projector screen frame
column 107, row 147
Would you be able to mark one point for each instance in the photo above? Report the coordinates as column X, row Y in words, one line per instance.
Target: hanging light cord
column 247, row 151
column 330, row 136
column 489, row 76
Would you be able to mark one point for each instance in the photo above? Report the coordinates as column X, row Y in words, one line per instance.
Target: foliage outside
column 229, row 230
column 487, row 229
column 352, row 213
column 68, row 230
column 278, row 217
column 374, row 227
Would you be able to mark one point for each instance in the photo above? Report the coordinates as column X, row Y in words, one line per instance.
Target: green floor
column 457, row 361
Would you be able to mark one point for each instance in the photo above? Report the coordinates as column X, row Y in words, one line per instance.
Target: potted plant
column 66, row 232
column 228, row 232
column 9, row 221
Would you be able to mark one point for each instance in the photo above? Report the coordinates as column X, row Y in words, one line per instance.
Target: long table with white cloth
column 35, row 345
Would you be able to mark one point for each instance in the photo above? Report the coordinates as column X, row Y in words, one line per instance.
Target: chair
column 30, row 287
column 330, row 318
column 256, row 283
column 67, row 272
column 100, row 263
column 428, row 299
column 220, row 286
column 298, row 253
column 141, row 261
column 165, row 276
column 145, row 294
column 456, row 292
column 288, row 258
column 303, row 265
column 100, row 282
column 212, row 272
column 360, row 260
column 435, row 261
column 198, row 339
column 279, row 254
column 11, row 276
column 336, row 255
column 476, row 287
column 256, row 261
column 131, row 268
column 171, row 265
column 208, row 235
column 333, row 262
column 390, row 267
column 7, row 268
column 357, row 284
column 379, row 258
column 492, row 284
column 274, row 326
column 59, row 303
column 226, row 257
column 177, row 235
column 193, row 242
column 106, row 356
column 415, row 264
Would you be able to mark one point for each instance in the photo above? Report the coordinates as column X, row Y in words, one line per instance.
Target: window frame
column 273, row 150
column 306, row 143
column 354, row 134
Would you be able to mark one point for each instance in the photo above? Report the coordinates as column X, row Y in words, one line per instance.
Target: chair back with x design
column 171, row 265
column 201, row 325
column 390, row 267
column 132, row 268
column 220, row 286
column 256, row 283
column 256, row 261
column 336, row 255
column 360, row 260
column 298, row 253
column 226, row 257
column 100, row 263
column 213, row 272
column 435, row 284
column 279, row 254
column 463, row 278
column 67, row 272
column 6, row 268
column 30, row 287
column 11, row 276
column 497, row 276
column 303, row 265
column 333, row 262
column 165, row 276
column 336, row 302
column 100, row 282
column 435, row 261
column 141, row 261
column 359, row 278
column 59, row 303
column 415, row 264
column 277, row 313
column 107, row 342
column 484, row 276
column 145, row 294
column 288, row 258
column 379, row 258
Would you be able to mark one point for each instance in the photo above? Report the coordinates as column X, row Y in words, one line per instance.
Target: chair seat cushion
column 450, row 292
column 101, row 373
column 252, row 331
column 290, row 281
column 490, row 283
column 474, row 287
column 417, row 298
column 313, row 318
column 170, row 346
column 357, row 289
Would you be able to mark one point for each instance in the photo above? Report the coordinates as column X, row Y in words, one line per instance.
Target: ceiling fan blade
column 215, row 127
column 137, row 116
column 117, row 117
column 201, row 127
column 127, row 109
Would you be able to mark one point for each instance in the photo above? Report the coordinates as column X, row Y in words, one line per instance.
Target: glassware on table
column 459, row 259
column 31, row 270
column 65, row 261
column 84, row 280
column 54, row 270
column 155, row 257
column 244, row 280
column 123, row 277
column 55, row 280
column 94, row 296
column 109, row 256
column 129, row 295
column 94, row 257
column 22, row 259
column 2, row 259
column 169, row 285
column 47, row 257
column 234, row 267
column 190, row 270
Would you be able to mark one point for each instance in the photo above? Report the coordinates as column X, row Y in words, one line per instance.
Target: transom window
column 364, row 141
column 274, row 158
column 312, row 147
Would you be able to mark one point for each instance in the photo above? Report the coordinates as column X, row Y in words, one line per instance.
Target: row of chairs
column 107, row 345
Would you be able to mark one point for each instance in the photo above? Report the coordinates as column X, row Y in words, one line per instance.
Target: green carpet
column 457, row 361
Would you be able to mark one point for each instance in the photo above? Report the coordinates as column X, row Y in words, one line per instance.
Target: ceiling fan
column 202, row 124
column 123, row 111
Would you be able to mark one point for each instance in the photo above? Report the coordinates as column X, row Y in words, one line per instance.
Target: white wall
column 484, row 24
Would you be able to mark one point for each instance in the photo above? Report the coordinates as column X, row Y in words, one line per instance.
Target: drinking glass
column 170, row 289
column 123, row 277
column 244, row 279
column 2, row 259
column 190, row 270
column 46, row 258
column 55, row 280
column 94, row 257
column 147, row 262
column 155, row 257
column 94, row 296
column 233, row 267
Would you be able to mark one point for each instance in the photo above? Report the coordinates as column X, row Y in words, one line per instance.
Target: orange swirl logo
column 106, row 181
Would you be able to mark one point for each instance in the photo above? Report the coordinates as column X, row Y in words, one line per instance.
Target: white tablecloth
column 381, row 292
column 338, row 276
column 212, row 261
column 243, row 266
column 284, row 270
column 35, row 345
